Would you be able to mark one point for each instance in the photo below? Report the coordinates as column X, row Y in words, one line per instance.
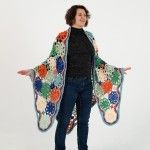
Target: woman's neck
column 76, row 26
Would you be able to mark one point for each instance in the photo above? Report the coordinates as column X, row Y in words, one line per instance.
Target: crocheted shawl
column 48, row 80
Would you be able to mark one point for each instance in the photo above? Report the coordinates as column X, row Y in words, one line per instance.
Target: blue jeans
column 74, row 87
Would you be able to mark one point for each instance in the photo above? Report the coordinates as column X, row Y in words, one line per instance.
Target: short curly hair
column 71, row 13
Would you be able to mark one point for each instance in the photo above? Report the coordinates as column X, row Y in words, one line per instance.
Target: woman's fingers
column 24, row 72
column 127, row 68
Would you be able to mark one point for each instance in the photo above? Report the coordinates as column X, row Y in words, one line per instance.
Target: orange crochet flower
column 107, row 86
column 62, row 36
column 42, row 71
column 54, row 96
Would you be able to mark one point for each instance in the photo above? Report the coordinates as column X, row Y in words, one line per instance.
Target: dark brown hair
column 71, row 13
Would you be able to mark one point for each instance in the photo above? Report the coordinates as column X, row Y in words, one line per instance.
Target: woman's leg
column 83, row 114
column 66, row 107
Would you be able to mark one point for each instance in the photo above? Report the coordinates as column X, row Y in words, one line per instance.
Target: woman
column 77, row 75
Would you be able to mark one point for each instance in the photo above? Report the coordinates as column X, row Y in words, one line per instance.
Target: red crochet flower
column 42, row 71
column 54, row 96
column 106, row 86
column 62, row 36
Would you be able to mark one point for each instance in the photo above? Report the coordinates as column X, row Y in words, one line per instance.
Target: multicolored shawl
column 48, row 81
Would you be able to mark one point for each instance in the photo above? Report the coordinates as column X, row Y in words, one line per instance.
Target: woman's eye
column 82, row 15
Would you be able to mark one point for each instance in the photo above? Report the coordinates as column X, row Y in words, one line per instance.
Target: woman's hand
column 125, row 69
column 25, row 72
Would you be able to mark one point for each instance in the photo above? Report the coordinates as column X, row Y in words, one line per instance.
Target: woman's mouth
column 83, row 21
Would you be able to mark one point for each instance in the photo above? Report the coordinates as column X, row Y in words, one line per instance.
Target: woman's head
column 77, row 15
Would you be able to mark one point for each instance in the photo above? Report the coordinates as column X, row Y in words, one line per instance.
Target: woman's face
column 80, row 18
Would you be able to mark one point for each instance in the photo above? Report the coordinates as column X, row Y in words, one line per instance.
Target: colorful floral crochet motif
column 48, row 80
column 109, row 87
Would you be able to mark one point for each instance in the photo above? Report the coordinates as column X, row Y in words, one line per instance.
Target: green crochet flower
column 58, row 81
column 98, row 90
column 109, row 70
column 53, row 52
column 104, row 104
column 98, row 61
column 115, row 77
column 50, row 76
column 45, row 90
column 60, row 48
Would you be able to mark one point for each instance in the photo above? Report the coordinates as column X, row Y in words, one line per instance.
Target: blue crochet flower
column 38, row 84
column 113, row 97
column 50, row 109
column 59, row 64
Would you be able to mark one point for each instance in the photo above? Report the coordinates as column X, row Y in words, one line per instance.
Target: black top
column 80, row 54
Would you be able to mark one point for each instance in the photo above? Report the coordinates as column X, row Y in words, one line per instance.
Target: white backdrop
column 27, row 30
